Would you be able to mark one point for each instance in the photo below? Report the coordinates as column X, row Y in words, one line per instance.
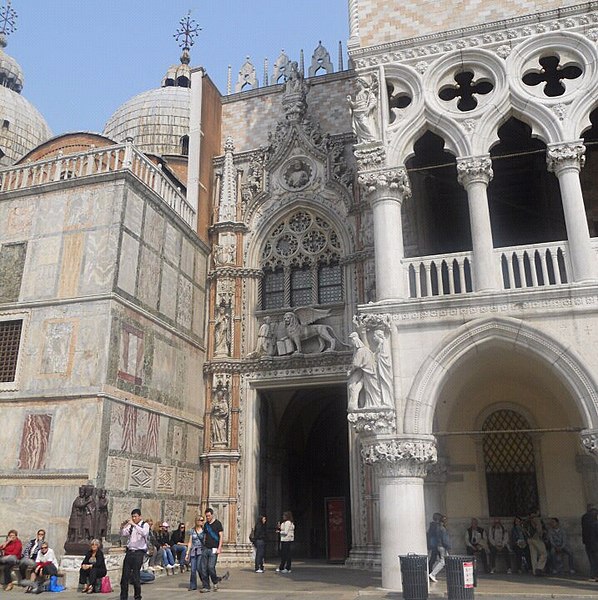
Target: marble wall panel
column 58, row 347
column 193, row 447
column 185, row 482
column 70, row 269
column 185, row 303
column 177, row 442
column 201, row 268
column 168, row 292
column 34, row 441
column 187, row 257
column 131, row 355
column 41, row 268
column 165, row 479
column 117, row 473
column 133, row 430
column 219, row 480
column 151, row 509
column 174, row 512
column 49, row 215
column 149, row 276
column 164, row 365
column 153, row 229
column 121, row 511
column 199, row 311
column 127, row 270
column 172, row 244
column 141, row 476
column 12, row 265
column 17, row 221
column 79, row 211
column 99, row 261
column 134, row 213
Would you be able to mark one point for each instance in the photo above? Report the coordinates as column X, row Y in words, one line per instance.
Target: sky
column 82, row 59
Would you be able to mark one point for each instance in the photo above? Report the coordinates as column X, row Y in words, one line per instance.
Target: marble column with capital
column 400, row 462
column 386, row 189
column 566, row 160
column 474, row 174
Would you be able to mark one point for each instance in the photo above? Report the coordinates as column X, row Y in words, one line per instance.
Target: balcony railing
column 122, row 157
column 518, row 267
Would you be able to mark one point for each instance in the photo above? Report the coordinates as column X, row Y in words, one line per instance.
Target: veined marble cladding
column 162, row 266
column 381, row 21
column 152, row 362
column 12, row 263
column 249, row 118
column 72, row 240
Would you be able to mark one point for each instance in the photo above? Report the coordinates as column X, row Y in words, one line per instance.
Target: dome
column 157, row 120
column 22, row 127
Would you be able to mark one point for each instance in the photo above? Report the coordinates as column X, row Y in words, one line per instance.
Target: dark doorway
column 303, row 459
column 588, row 174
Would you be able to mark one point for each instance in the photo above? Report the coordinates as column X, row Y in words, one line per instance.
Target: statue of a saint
column 222, row 333
column 219, row 415
column 363, row 377
column 264, row 345
column 363, row 111
column 384, row 368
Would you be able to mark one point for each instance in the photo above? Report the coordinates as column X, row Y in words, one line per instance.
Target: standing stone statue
column 363, row 111
column 89, row 513
column 101, row 516
column 219, row 416
column 222, row 332
column 75, row 530
column 363, row 386
column 383, row 368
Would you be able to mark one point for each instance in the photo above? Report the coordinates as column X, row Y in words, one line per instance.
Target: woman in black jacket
column 93, row 568
column 259, row 540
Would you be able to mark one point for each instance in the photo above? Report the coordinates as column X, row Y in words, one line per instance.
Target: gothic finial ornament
column 187, row 32
column 247, row 76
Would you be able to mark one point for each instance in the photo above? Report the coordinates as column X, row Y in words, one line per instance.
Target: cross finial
column 8, row 17
column 188, row 30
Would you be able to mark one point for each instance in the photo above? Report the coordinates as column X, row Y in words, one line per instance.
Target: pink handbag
column 106, row 586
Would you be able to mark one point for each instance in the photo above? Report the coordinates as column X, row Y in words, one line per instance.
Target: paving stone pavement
column 332, row 582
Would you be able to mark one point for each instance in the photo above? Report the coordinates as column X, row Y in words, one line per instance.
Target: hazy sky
column 84, row 58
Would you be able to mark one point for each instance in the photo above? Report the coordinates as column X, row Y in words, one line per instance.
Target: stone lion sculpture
column 300, row 326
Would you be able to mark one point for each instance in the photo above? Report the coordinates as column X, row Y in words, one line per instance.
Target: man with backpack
column 212, row 548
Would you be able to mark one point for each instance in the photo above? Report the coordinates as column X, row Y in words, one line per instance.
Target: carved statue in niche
column 363, row 385
column 222, row 331
column 363, row 110
column 383, row 368
column 219, row 415
column 297, row 174
column 264, row 345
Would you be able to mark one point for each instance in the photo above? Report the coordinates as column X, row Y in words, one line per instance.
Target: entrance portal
column 303, row 459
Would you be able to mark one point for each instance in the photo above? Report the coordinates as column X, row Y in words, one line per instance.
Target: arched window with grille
column 301, row 263
column 509, row 464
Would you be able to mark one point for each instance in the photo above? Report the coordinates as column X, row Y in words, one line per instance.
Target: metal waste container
column 460, row 577
column 414, row 573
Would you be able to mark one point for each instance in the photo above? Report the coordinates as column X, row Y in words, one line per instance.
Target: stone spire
column 228, row 195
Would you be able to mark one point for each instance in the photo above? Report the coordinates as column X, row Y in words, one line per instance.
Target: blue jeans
column 195, row 571
column 208, row 567
column 179, row 549
column 167, row 558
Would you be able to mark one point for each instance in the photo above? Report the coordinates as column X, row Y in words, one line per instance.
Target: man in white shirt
column 498, row 541
column 137, row 532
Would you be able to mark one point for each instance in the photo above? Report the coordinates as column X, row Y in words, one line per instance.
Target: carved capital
column 565, row 156
column 399, row 456
column 369, row 155
column 474, row 169
column 384, row 183
column 589, row 439
column 370, row 421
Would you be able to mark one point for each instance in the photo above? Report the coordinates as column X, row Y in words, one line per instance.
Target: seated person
column 519, row 546
column 179, row 545
column 154, row 550
column 558, row 547
column 12, row 551
column 46, row 565
column 30, row 553
column 164, row 541
column 93, row 568
column 476, row 543
column 498, row 543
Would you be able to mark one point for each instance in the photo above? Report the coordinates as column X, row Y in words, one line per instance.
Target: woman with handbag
column 259, row 541
column 46, row 565
column 194, row 550
column 93, row 568
column 287, row 537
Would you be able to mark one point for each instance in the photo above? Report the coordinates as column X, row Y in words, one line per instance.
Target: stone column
column 386, row 189
column 400, row 464
column 475, row 173
column 566, row 160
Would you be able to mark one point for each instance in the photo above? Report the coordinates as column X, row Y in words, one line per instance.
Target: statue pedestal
column 71, row 564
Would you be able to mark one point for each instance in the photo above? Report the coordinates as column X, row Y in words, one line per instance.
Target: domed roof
column 22, row 127
column 157, row 120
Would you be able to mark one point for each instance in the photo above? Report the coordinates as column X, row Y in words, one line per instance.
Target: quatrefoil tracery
column 466, row 90
column 552, row 74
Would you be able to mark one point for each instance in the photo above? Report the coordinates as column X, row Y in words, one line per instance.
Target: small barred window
column 10, row 340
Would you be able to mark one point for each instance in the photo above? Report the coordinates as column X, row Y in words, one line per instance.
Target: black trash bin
column 414, row 572
column 460, row 577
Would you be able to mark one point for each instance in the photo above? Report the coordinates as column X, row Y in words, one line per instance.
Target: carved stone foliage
column 567, row 155
column 382, row 420
column 399, row 456
column 474, row 168
column 589, row 439
column 385, row 180
column 253, row 182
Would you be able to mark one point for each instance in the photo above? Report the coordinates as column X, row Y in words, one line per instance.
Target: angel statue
column 363, row 110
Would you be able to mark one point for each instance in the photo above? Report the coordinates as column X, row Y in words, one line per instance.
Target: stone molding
column 236, row 272
column 565, row 155
column 589, row 439
column 399, row 455
column 386, row 183
column 472, row 169
column 369, row 155
column 373, row 421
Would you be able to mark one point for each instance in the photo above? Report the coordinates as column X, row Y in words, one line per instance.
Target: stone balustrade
column 122, row 157
column 439, row 275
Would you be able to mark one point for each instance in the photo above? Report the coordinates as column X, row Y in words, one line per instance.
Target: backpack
column 432, row 536
column 54, row 586
column 252, row 535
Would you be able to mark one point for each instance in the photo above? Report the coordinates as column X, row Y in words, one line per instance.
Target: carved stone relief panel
column 117, row 473
column 219, row 480
column 165, row 479
column 141, row 476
